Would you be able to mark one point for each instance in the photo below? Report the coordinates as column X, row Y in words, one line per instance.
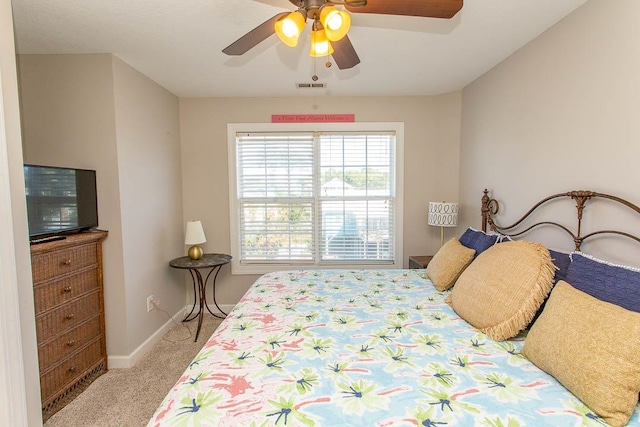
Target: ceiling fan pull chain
column 315, row 72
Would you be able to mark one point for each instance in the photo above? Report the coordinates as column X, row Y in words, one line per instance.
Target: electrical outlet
column 149, row 303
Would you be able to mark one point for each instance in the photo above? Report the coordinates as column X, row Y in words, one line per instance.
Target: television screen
column 60, row 200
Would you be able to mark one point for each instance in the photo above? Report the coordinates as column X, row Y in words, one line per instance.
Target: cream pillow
column 448, row 263
column 592, row 347
column 500, row 292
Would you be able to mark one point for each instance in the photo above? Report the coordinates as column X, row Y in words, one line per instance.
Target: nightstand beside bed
column 419, row 261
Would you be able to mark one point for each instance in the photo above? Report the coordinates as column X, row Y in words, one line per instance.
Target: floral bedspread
column 361, row 348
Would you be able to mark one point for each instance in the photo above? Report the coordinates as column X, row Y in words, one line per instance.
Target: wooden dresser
column 69, row 306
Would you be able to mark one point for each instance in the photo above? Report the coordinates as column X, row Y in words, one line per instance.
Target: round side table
column 214, row 262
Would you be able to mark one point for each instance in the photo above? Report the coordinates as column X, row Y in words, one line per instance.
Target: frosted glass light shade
column 336, row 22
column 288, row 29
column 320, row 45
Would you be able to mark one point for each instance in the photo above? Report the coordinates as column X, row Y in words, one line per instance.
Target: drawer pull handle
column 72, row 369
column 67, row 289
column 71, row 343
column 69, row 316
column 66, row 262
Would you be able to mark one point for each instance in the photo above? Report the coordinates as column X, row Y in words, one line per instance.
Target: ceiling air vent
column 310, row 85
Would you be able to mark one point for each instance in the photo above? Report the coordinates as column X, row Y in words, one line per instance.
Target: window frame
column 237, row 267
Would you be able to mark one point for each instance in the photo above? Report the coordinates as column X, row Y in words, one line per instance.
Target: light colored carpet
column 129, row 397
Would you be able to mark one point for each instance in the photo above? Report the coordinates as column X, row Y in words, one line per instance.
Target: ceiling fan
column 330, row 24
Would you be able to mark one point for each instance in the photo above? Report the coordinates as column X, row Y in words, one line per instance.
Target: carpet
column 129, row 397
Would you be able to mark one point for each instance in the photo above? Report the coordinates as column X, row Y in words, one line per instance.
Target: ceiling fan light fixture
column 289, row 28
column 336, row 22
column 320, row 45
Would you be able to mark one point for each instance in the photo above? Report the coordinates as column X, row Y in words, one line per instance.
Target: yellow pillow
column 592, row 347
column 448, row 263
column 500, row 292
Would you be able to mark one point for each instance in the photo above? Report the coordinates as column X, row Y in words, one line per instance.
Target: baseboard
column 130, row 360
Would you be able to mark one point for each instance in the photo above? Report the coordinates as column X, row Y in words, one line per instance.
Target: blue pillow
column 562, row 260
column 616, row 284
column 478, row 240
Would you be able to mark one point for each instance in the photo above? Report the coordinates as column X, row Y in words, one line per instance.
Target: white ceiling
column 178, row 44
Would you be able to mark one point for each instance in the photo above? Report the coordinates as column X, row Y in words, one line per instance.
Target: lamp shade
column 336, row 22
column 443, row 214
column 194, row 234
column 288, row 29
column 320, row 45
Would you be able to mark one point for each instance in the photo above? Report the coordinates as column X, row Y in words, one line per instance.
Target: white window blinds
column 356, row 197
column 275, row 192
column 318, row 198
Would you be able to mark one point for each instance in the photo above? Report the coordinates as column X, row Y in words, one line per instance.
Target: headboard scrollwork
column 491, row 207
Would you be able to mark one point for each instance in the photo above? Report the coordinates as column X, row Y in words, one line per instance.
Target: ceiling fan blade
column 253, row 37
column 344, row 54
column 425, row 8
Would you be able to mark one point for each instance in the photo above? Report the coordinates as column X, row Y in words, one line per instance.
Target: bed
column 413, row 347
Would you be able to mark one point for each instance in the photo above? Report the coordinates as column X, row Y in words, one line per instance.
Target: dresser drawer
column 51, row 294
column 61, row 319
column 49, row 265
column 54, row 351
column 71, row 369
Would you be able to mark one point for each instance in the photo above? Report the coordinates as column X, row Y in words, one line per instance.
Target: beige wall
column 150, row 197
column 430, row 173
column 68, row 120
column 20, row 388
column 95, row 112
column 560, row 114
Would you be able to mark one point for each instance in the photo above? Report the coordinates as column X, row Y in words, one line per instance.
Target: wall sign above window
column 313, row 118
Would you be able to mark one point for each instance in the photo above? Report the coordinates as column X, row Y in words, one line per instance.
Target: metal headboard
column 491, row 207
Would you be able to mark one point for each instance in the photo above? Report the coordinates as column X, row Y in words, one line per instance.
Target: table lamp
column 443, row 215
column 194, row 236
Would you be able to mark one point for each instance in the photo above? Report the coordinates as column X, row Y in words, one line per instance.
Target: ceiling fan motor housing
column 312, row 7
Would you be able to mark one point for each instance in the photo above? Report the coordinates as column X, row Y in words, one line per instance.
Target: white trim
column 12, row 387
column 234, row 128
column 130, row 360
column 120, row 362
column 601, row 261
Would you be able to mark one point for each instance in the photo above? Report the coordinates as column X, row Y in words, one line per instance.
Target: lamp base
column 195, row 252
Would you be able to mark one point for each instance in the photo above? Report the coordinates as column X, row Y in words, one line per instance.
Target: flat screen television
column 59, row 201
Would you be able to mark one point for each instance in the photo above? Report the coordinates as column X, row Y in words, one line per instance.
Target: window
column 315, row 195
